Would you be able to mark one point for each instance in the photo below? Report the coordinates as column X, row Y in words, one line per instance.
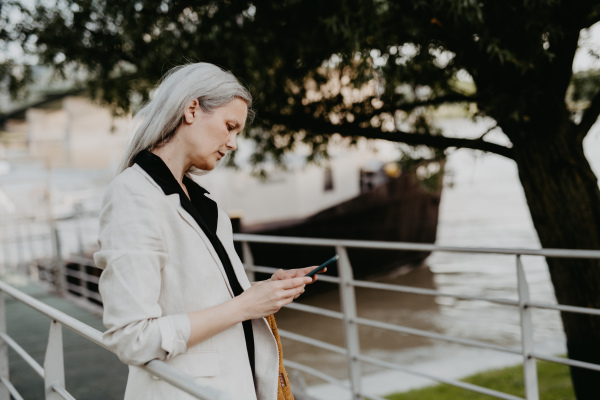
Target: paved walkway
column 91, row 372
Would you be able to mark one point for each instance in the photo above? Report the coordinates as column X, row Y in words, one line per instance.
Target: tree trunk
column 564, row 201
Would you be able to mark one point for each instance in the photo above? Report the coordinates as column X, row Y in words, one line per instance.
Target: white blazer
column 158, row 266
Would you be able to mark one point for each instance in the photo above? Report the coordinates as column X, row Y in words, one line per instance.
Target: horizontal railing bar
column 24, row 355
column 62, row 391
column 179, row 380
column 317, row 373
column 312, row 342
column 560, row 307
column 367, row 244
column 437, row 336
column 83, row 292
column 82, row 275
column 258, row 268
column 315, row 310
column 270, row 270
column 429, row 292
column 75, row 325
column 328, row 278
column 566, row 361
column 85, row 261
column 452, row 382
column 156, row 367
column 11, row 389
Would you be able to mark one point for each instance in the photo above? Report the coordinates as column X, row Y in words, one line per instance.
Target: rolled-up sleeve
column 132, row 254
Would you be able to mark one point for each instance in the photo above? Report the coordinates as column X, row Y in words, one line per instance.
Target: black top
column 205, row 212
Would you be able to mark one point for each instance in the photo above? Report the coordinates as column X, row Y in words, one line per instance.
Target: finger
column 277, row 273
column 299, row 292
column 291, row 293
column 308, row 269
column 294, row 282
column 298, row 272
column 281, row 274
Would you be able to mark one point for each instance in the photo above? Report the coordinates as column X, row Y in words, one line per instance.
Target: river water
column 482, row 206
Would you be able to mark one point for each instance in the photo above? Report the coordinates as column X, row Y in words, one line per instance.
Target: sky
column 589, row 40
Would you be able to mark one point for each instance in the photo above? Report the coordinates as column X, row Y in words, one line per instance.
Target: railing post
column 78, row 211
column 4, row 248
column 529, row 364
column 4, row 370
column 248, row 260
column 348, row 302
column 54, row 366
column 20, row 245
column 30, row 236
column 60, row 279
column 7, row 249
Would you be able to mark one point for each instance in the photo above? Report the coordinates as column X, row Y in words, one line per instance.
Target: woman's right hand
column 267, row 297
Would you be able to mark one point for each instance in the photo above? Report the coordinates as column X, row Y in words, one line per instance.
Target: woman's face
column 208, row 136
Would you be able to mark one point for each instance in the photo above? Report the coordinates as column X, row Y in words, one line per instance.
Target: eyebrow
column 235, row 122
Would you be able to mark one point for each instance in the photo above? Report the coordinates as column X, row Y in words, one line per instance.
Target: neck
column 175, row 164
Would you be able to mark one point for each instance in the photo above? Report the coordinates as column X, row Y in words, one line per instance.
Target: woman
column 173, row 286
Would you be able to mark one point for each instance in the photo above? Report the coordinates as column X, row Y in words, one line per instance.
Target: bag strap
column 284, row 390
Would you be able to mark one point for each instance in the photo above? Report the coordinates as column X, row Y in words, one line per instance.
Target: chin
column 210, row 167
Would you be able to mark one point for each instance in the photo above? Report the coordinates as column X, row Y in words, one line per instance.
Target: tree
column 369, row 68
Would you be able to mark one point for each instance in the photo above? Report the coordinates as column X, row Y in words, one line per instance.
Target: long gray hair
column 156, row 122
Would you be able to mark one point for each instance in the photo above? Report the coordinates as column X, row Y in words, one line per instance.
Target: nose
column 232, row 142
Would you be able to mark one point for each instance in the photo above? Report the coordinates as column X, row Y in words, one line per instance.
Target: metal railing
column 53, row 372
column 351, row 321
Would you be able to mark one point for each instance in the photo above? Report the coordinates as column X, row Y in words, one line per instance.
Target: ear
column 191, row 111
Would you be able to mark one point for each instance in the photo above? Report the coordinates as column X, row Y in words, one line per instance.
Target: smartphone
column 322, row 266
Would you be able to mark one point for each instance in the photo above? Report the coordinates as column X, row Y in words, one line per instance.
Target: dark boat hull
column 400, row 210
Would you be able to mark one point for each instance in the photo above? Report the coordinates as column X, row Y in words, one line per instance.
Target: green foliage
column 553, row 381
column 312, row 64
column 425, row 163
column 370, row 68
column 353, row 67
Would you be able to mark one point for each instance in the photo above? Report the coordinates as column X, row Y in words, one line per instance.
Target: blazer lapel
column 174, row 200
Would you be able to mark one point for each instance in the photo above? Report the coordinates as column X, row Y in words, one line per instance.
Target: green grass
column 554, row 383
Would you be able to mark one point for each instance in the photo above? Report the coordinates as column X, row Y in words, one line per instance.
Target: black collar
column 162, row 175
column 200, row 207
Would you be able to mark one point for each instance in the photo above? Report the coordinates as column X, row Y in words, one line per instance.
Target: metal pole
column 348, row 302
column 4, row 240
column 78, row 228
column 83, row 280
column 60, row 279
column 248, row 260
column 529, row 363
column 7, row 248
column 4, row 370
column 54, row 366
column 30, row 236
column 19, row 243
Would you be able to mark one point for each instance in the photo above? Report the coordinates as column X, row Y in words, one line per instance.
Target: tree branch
column 589, row 116
column 298, row 123
column 450, row 98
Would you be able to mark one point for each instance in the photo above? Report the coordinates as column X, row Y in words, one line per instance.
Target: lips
column 221, row 154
